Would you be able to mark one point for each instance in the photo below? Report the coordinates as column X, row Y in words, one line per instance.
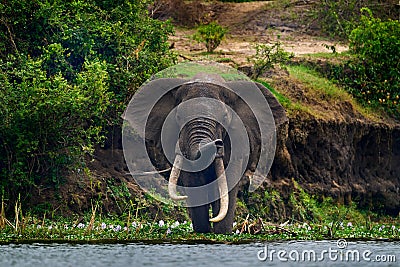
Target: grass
column 188, row 70
column 319, row 85
column 328, row 55
column 318, row 221
column 117, row 230
column 324, row 90
column 289, row 105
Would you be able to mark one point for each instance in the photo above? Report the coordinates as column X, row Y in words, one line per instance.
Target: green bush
column 375, row 69
column 133, row 45
column 211, row 35
column 339, row 17
column 267, row 56
column 67, row 69
column 47, row 121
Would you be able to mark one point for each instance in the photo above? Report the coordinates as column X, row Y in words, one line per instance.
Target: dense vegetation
column 339, row 17
column 372, row 74
column 67, row 70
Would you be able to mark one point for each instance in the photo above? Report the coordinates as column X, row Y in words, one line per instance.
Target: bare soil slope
column 260, row 22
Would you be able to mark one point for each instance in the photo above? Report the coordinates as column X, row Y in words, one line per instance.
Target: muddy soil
column 260, row 22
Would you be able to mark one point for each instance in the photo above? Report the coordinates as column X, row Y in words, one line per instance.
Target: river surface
column 294, row 253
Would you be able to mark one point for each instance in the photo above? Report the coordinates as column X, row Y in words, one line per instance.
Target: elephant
column 201, row 128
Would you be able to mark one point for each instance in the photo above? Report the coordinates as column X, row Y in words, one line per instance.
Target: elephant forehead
column 202, row 107
column 194, row 89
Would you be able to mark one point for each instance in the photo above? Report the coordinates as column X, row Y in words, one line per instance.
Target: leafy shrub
column 120, row 32
column 267, row 56
column 339, row 17
column 47, row 121
column 211, row 35
column 67, row 68
column 373, row 74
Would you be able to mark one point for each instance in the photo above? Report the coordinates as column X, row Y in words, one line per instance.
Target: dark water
column 304, row 253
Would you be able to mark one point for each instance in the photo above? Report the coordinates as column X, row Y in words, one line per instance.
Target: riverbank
column 97, row 228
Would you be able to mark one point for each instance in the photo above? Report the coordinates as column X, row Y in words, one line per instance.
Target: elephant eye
column 178, row 118
column 226, row 117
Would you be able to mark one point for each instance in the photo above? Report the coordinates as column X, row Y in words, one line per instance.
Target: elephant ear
column 278, row 111
column 261, row 115
column 157, row 100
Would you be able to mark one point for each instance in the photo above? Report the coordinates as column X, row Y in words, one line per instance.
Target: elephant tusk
column 173, row 179
column 223, row 190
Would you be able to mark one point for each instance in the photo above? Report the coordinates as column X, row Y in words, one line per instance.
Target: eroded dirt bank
column 349, row 160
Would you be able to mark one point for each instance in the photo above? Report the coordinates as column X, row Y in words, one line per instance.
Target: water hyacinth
column 103, row 226
column 80, row 226
column 117, row 228
column 161, row 223
column 134, row 224
column 175, row 224
column 349, row 224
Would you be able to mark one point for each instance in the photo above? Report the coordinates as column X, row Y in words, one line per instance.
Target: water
column 175, row 255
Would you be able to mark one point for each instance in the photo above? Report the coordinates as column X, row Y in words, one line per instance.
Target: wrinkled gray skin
column 206, row 129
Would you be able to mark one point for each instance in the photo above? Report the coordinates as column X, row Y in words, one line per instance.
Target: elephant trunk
column 201, row 131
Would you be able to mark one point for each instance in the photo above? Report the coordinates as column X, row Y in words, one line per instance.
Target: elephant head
column 209, row 137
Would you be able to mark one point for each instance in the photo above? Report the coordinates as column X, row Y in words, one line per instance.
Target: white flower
column 50, row 227
column 117, row 228
column 134, row 224
column 161, row 223
column 125, row 228
column 234, row 224
column 81, row 225
column 393, row 227
column 175, row 224
column 168, row 231
column 191, row 225
column 103, row 226
column 237, row 232
column 349, row 224
column 39, row 226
